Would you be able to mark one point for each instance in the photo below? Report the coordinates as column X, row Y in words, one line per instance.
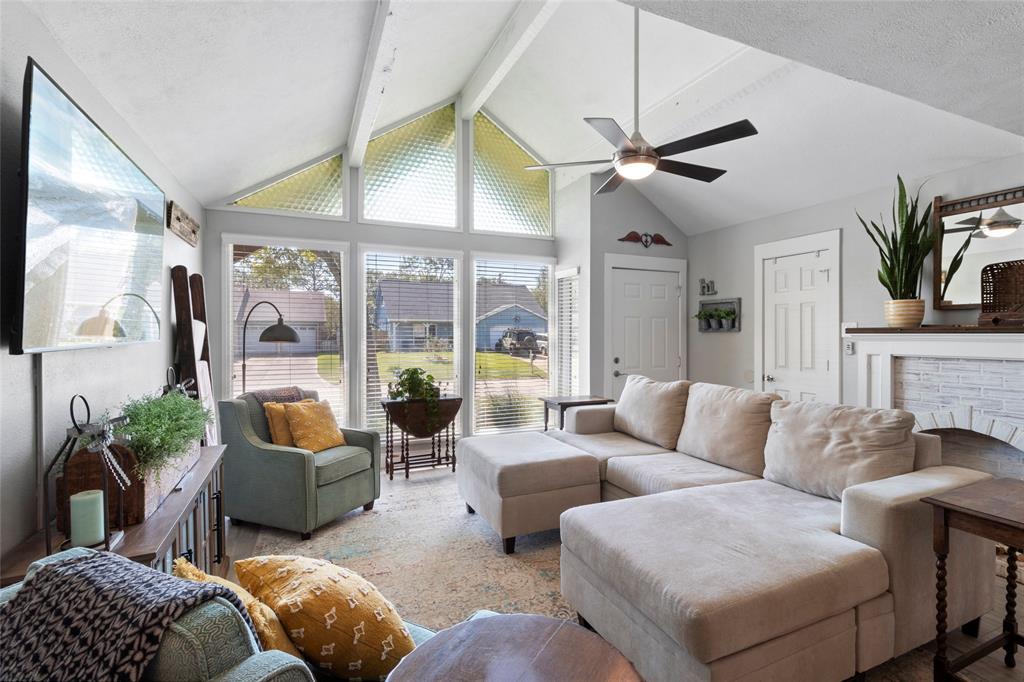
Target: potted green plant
column 715, row 318
column 903, row 251
column 728, row 318
column 163, row 432
column 703, row 318
column 416, row 404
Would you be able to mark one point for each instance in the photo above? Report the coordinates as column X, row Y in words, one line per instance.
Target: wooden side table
column 992, row 509
column 515, row 647
column 564, row 402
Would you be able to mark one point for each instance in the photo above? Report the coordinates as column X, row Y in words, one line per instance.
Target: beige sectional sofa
column 776, row 540
column 702, row 568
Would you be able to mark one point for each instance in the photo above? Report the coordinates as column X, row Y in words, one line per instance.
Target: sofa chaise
column 744, row 537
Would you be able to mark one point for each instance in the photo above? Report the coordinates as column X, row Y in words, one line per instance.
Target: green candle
column 87, row 518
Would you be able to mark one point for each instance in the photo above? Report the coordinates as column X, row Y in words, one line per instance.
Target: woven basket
column 1002, row 294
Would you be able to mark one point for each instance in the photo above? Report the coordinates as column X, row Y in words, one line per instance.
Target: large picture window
column 507, row 198
column 511, row 337
column 412, row 318
column 409, row 173
column 305, row 285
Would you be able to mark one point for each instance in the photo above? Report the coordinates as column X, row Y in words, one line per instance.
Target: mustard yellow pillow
column 338, row 620
column 268, row 627
column 312, row 426
column 280, row 434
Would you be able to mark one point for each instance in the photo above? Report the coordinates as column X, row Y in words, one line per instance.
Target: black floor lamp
column 278, row 332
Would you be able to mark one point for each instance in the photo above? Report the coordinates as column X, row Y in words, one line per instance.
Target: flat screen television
column 92, row 243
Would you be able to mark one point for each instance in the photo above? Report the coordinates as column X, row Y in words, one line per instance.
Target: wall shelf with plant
column 722, row 315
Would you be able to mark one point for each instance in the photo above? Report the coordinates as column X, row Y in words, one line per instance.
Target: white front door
column 801, row 325
column 645, row 336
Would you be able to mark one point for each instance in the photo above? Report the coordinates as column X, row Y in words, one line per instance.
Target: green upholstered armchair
column 208, row 642
column 288, row 487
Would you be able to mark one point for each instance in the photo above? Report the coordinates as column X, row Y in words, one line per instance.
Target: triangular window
column 507, row 198
column 317, row 190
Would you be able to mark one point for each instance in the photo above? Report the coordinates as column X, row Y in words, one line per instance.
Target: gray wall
column 105, row 376
column 727, row 256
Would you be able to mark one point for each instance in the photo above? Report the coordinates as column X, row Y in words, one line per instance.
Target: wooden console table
column 993, row 509
column 189, row 523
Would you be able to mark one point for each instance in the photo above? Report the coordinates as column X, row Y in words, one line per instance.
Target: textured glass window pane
column 507, row 198
column 314, row 190
column 409, row 172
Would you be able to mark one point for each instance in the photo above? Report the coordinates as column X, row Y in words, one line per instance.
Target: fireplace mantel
column 972, row 380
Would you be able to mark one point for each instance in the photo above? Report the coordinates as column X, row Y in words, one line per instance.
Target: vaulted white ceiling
column 230, row 94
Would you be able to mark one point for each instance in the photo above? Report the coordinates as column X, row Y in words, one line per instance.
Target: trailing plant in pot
column 728, row 318
column 903, row 251
column 422, row 411
column 162, row 429
column 703, row 317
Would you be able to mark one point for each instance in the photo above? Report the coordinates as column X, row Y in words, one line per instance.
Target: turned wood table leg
column 941, row 663
column 1010, row 621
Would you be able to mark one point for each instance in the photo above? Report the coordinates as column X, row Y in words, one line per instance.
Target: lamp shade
column 101, row 325
column 279, row 332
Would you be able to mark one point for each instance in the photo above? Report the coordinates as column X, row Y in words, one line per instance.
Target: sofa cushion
column 823, row 449
column 257, row 416
column 650, row 474
column 727, row 426
column 652, row 410
column 604, row 446
column 337, row 463
column 721, row 568
column 525, row 463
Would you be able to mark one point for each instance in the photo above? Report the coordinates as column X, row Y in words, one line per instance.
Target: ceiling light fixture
column 635, row 167
column 1000, row 224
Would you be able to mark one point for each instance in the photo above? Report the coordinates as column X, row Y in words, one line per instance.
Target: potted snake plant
column 903, row 251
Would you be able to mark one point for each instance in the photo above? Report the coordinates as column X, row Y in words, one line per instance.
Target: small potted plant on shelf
column 728, row 318
column 416, row 403
column 703, row 318
column 715, row 318
column 903, row 251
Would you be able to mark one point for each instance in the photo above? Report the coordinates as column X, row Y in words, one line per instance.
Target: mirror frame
column 946, row 208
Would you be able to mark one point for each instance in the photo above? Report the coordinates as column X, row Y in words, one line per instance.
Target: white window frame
column 469, row 323
column 555, row 338
column 457, row 338
column 470, row 157
column 228, row 240
column 460, row 190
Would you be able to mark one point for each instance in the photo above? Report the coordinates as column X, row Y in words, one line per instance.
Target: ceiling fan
column 635, row 157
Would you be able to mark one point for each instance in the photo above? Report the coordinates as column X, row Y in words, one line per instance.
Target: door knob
column 616, row 374
column 769, row 378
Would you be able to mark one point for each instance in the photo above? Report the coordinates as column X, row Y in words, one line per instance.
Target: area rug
column 437, row 563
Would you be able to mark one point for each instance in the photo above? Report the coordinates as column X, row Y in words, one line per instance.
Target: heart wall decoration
column 646, row 239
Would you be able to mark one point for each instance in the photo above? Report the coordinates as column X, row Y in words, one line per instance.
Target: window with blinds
column 411, row 321
column 305, row 286
column 567, row 297
column 511, row 337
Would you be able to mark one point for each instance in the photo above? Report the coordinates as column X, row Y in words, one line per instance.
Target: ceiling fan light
column 636, row 167
column 999, row 230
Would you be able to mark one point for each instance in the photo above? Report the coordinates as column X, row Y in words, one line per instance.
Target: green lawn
column 493, row 365
column 329, row 368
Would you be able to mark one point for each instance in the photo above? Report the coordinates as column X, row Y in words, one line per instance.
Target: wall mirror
column 970, row 233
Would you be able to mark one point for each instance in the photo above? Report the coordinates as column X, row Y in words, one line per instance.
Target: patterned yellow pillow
column 268, row 627
column 312, row 425
column 337, row 619
column 280, row 434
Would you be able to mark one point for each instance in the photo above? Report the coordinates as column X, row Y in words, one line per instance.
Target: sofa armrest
column 889, row 516
column 274, row 485
column 370, row 440
column 267, row 666
column 587, row 419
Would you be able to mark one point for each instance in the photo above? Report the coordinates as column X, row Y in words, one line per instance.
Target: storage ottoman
column 522, row 482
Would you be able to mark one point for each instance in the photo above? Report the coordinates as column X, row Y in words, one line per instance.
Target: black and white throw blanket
column 94, row 617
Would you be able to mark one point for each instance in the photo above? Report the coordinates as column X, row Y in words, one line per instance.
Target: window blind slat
column 568, row 365
column 305, row 285
column 510, row 373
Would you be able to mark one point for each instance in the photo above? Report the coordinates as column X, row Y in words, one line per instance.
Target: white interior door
column 645, row 334
column 801, row 325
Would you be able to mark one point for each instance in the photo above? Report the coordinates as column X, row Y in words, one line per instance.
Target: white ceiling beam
column 526, row 21
column 381, row 53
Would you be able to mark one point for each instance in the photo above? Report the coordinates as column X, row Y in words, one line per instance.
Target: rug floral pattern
column 437, row 563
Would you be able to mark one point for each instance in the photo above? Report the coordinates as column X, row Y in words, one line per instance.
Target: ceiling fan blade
column 548, row 166
column 611, row 131
column 611, row 184
column 689, row 170
column 708, row 138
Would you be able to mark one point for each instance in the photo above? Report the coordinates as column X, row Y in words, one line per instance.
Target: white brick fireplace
column 961, row 380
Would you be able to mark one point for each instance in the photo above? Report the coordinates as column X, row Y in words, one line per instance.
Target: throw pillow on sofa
column 337, row 619
column 277, row 422
column 312, row 425
column 823, row 449
column 268, row 627
column 652, row 410
column 727, row 426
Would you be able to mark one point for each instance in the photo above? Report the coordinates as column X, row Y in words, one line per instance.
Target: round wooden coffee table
column 515, row 647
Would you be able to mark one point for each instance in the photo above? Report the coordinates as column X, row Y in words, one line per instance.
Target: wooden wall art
column 182, row 224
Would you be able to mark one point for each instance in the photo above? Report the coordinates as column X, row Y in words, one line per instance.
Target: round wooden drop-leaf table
column 515, row 647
